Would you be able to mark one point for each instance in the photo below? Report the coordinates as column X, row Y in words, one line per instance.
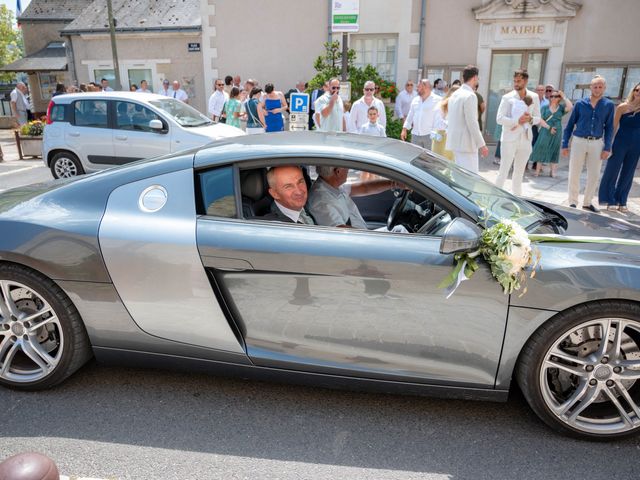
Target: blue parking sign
column 299, row 103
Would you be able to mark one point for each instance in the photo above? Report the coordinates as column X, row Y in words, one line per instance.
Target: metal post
column 345, row 52
column 114, row 50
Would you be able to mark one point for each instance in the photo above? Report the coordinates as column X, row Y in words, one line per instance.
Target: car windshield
column 493, row 201
column 182, row 113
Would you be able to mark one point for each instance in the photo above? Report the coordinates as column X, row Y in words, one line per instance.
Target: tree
column 329, row 65
column 11, row 47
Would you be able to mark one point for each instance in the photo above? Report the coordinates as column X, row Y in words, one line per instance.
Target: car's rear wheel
column 65, row 165
column 580, row 372
column 42, row 338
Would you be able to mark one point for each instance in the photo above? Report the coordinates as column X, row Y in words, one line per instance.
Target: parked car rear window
column 57, row 113
column 90, row 113
column 182, row 113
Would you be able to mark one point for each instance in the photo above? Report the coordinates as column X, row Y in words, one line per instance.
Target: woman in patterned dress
column 546, row 151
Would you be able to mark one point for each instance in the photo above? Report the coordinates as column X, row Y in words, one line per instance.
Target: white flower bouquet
column 507, row 249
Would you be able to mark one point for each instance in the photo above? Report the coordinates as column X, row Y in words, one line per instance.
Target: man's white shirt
column 421, row 115
column 179, row 95
column 360, row 113
column 216, row 103
column 403, row 103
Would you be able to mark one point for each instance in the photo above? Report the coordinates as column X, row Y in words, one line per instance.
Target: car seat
column 256, row 200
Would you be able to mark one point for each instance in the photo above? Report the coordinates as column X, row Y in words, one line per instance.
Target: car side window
column 216, row 193
column 90, row 113
column 133, row 116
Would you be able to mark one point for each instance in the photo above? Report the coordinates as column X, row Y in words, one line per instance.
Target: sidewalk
column 545, row 188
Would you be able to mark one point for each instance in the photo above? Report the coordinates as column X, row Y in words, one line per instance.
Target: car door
column 89, row 133
column 351, row 302
column 133, row 138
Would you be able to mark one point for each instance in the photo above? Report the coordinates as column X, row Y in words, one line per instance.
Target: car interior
column 409, row 208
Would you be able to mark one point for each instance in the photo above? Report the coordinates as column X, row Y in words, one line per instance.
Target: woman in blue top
column 273, row 107
column 618, row 174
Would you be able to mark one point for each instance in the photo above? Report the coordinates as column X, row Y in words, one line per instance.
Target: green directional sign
column 344, row 15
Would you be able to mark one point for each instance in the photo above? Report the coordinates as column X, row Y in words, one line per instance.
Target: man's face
column 176, row 86
column 143, row 84
column 248, row 86
column 236, row 80
column 219, row 85
column 341, row 174
column 105, row 83
column 334, row 87
column 598, row 86
column 424, row 89
column 519, row 83
column 540, row 91
column 369, row 89
column 300, row 86
column 165, row 85
column 373, row 116
column 409, row 87
column 290, row 189
column 22, row 88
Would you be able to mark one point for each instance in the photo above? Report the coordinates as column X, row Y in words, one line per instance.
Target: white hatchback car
column 87, row 132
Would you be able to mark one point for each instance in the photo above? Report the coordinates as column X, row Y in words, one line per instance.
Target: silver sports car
column 180, row 261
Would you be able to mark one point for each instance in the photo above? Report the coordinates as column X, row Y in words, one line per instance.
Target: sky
column 12, row 5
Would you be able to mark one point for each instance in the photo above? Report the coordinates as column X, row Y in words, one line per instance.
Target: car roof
column 139, row 96
column 306, row 144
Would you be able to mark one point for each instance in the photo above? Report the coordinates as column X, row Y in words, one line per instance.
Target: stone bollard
column 29, row 466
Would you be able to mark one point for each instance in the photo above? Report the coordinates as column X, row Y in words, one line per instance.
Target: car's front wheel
column 65, row 165
column 42, row 338
column 580, row 372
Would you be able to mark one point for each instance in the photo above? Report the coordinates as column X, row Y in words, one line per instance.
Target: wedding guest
column 273, row 106
column 440, row 125
column 372, row 127
column 403, row 101
column 546, row 150
column 439, row 87
column 233, row 108
column 421, row 114
column 360, row 108
column 621, row 166
column 255, row 121
column 590, row 121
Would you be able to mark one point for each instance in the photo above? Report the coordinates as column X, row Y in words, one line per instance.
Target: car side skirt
column 120, row 357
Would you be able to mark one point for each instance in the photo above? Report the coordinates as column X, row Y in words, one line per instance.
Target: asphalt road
column 146, row 424
column 25, row 172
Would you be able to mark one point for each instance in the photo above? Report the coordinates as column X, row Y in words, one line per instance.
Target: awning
column 51, row 58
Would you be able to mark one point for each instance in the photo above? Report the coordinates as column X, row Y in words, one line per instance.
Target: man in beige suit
column 517, row 134
column 464, row 138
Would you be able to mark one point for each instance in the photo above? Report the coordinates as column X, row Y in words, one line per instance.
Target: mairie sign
column 299, row 103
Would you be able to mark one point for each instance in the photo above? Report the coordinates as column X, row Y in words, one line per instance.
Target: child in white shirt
column 373, row 127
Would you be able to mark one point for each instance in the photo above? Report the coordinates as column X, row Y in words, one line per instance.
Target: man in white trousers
column 517, row 133
column 464, row 138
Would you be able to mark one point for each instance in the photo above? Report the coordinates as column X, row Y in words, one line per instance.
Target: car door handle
column 121, row 137
column 74, row 134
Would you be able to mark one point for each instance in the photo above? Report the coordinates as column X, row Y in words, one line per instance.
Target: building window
column 448, row 73
column 378, row 51
column 620, row 79
column 108, row 73
column 48, row 83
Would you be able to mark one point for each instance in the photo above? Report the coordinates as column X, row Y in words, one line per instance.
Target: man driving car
column 330, row 200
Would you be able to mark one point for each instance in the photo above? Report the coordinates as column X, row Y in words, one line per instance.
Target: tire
column 42, row 337
column 578, row 384
column 65, row 165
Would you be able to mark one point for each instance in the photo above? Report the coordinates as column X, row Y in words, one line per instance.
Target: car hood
column 216, row 132
column 583, row 223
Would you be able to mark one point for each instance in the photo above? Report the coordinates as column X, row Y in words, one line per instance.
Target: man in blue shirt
column 591, row 125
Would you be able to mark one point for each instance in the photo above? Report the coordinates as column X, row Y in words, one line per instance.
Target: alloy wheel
column 31, row 336
column 589, row 376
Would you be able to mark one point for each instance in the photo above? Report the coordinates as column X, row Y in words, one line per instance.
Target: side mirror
column 461, row 235
column 155, row 124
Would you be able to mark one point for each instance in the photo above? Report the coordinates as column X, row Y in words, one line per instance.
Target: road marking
column 23, row 169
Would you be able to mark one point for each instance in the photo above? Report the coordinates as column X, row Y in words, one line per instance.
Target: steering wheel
column 397, row 208
column 432, row 221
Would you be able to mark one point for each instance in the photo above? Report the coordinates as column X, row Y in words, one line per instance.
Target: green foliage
column 11, row 47
column 394, row 126
column 329, row 65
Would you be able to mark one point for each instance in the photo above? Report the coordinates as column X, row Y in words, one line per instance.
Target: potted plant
column 388, row 91
column 29, row 139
